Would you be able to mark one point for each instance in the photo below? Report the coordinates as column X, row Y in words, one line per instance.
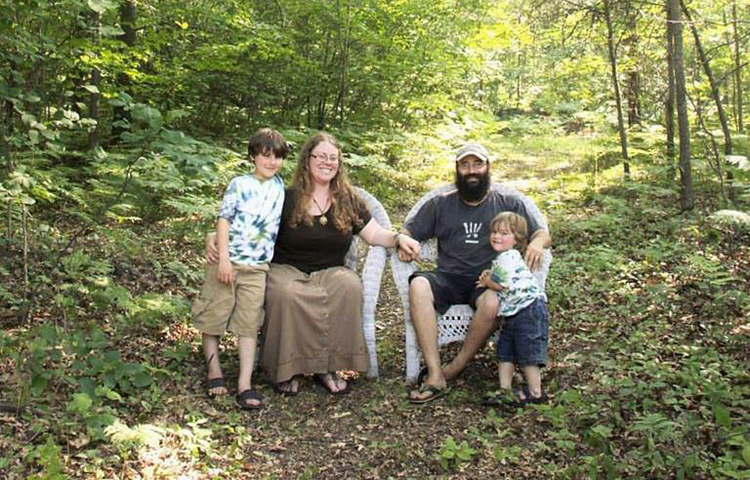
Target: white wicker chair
column 453, row 325
column 372, row 272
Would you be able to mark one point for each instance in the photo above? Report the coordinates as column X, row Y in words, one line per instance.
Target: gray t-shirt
column 462, row 231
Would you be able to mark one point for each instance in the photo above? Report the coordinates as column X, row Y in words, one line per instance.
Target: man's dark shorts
column 523, row 337
column 450, row 289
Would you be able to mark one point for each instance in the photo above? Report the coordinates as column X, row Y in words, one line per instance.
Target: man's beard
column 472, row 191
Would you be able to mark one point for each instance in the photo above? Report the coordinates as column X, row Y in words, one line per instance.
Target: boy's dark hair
column 516, row 224
column 267, row 140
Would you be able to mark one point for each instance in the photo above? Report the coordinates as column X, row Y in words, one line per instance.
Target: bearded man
column 460, row 222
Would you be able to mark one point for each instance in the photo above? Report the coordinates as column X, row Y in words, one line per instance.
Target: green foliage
column 125, row 438
column 47, row 456
column 452, row 454
column 153, row 310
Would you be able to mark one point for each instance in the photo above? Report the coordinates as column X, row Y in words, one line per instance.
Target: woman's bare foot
column 288, row 388
column 333, row 383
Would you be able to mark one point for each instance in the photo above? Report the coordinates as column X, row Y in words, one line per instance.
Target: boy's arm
column 485, row 280
column 225, row 273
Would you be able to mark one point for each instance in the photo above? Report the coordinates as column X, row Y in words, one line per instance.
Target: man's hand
column 408, row 248
column 534, row 253
column 533, row 256
column 212, row 250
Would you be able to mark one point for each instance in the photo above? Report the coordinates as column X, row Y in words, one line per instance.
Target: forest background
column 122, row 121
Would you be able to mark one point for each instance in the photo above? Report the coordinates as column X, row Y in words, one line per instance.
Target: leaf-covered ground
column 648, row 374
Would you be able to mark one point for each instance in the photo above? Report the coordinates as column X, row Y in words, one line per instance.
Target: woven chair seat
column 371, row 274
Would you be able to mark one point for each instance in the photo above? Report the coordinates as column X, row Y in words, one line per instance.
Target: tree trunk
column 634, row 81
column 715, row 94
column 128, row 17
column 94, row 96
column 669, row 100
column 634, row 104
column 615, row 83
column 95, row 134
column 687, row 195
column 344, row 33
column 737, row 69
column 712, row 81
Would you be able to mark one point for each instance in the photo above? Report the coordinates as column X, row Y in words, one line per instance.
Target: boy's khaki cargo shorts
column 235, row 307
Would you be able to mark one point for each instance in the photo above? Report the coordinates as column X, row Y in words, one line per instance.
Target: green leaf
column 92, row 88
column 100, row 6
column 38, row 384
column 80, row 404
column 746, row 454
column 102, row 391
column 142, row 379
column 110, row 31
column 602, row 431
column 721, row 415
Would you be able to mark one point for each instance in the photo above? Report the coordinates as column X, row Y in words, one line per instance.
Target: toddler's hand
column 483, row 279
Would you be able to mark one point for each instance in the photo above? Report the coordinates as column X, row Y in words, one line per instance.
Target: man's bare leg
column 481, row 327
column 424, row 320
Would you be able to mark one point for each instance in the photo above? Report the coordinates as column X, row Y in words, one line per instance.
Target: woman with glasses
column 313, row 303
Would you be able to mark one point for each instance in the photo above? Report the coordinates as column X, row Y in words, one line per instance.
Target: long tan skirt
column 313, row 322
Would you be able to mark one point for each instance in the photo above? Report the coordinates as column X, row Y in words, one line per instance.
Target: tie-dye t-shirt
column 521, row 287
column 253, row 209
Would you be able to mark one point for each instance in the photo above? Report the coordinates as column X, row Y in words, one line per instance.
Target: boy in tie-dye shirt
column 234, row 290
column 522, row 304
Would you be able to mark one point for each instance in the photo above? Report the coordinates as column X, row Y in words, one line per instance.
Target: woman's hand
column 408, row 248
column 212, row 250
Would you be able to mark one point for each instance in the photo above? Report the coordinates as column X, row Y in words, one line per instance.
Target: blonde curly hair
column 516, row 224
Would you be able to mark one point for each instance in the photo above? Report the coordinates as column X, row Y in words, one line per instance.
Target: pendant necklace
column 322, row 220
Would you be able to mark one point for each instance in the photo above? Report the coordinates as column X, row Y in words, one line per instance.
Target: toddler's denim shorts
column 523, row 338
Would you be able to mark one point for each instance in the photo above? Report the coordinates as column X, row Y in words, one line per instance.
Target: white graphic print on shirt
column 472, row 231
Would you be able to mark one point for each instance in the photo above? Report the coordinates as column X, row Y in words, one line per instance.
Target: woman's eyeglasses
column 322, row 157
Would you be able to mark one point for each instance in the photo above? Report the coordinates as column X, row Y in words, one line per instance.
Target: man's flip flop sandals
column 434, row 392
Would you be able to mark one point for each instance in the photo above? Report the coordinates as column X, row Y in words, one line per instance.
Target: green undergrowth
column 102, row 373
column 650, row 307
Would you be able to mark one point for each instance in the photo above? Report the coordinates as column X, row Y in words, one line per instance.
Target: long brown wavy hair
column 345, row 204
